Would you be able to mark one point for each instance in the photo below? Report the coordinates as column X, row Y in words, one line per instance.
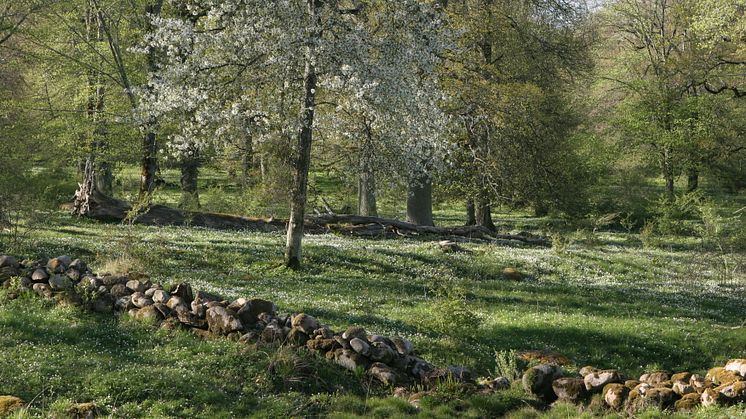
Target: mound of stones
column 681, row 391
column 391, row 360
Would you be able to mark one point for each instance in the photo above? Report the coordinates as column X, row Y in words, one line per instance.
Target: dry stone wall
column 391, row 360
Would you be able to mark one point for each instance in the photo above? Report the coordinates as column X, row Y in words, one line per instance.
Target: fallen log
column 102, row 207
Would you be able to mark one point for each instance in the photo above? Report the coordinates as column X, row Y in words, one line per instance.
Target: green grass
column 603, row 300
column 607, row 303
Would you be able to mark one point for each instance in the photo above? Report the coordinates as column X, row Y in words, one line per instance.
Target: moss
column 615, row 395
column 8, row 404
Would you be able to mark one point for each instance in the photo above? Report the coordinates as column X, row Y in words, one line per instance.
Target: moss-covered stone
column 720, row 376
column 734, row 392
column 8, row 404
column 681, row 376
column 569, row 389
column 538, row 381
column 631, row 384
column 615, row 395
column 687, row 403
column 654, row 378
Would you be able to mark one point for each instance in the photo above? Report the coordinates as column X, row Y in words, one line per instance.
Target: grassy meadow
column 607, row 299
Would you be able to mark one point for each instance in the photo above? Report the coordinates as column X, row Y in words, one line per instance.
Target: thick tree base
column 106, row 208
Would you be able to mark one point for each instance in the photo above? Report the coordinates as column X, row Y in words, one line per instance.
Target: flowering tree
column 242, row 67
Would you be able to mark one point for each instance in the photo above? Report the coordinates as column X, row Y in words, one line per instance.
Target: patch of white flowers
column 233, row 68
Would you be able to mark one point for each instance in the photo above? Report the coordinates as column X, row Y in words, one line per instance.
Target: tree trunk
column 303, row 146
column 366, row 191
column 668, row 174
column 247, row 161
column 692, row 180
column 420, row 200
column 484, row 215
column 471, row 215
column 189, row 187
column 104, row 178
column 149, row 164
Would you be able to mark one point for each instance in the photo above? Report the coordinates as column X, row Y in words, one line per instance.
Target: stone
column 110, row 280
column 9, row 262
column 190, row 319
column 8, row 404
column 124, row 304
column 43, row 290
column 175, row 301
column 78, row 265
column 737, row 366
column 538, row 381
column 631, row 384
column 135, row 286
column 353, row 332
column 360, row 346
column 65, row 260
column 417, row 367
column 733, row 393
column 682, row 388
column 273, row 333
column 383, row 373
column 402, row 345
column 500, row 383
column 160, row 296
column 596, row 381
column 251, row 311
column 351, row 360
column 56, row 266
column 40, row 275
column 140, row 300
column 699, row 383
column 150, row 292
column 25, row 283
column 615, row 394
column 148, row 314
column 381, row 352
column 297, row 337
column 221, row 321
column 587, row 370
column 119, row 291
column 73, row 274
column 184, row 291
column 83, row 411
column 163, row 309
column 720, row 376
column 681, row 376
column 324, row 332
column 307, row 324
column 323, row 345
column 709, row 397
column 512, row 274
column 662, row 396
column 687, row 403
column 654, row 378
column 569, row 389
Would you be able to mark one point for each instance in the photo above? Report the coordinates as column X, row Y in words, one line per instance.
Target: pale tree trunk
column 149, row 162
column 100, row 170
column 303, row 146
column 471, row 216
column 484, row 215
column 667, row 169
column 189, row 179
column 420, row 200
column 247, row 161
column 366, row 191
